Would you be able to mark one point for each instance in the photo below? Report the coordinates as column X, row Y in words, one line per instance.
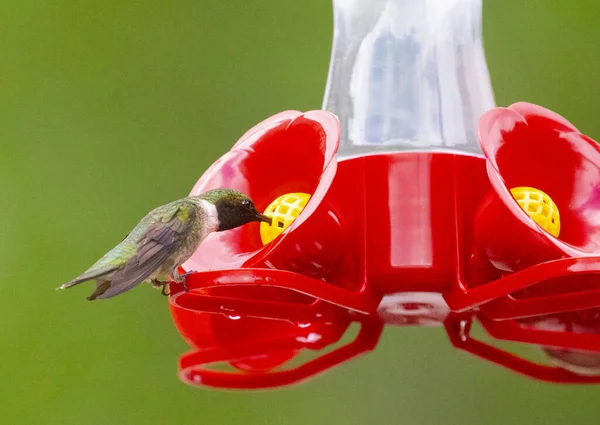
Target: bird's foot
column 182, row 278
column 162, row 285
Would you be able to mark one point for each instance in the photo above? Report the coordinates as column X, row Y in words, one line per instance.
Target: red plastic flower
column 551, row 282
column 528, row 145
column 254, row 306
column 289, row 152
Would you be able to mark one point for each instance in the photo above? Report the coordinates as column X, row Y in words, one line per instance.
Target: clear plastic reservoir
column 408, row 75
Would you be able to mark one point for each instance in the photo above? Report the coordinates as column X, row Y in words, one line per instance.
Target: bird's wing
column 155, row 245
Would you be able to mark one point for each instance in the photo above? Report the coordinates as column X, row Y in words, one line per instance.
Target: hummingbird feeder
column 410, row 199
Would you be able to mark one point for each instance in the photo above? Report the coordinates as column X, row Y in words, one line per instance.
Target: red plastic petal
column 290, row 152
column 536, row 115
column 527, row 145
column 264, row 125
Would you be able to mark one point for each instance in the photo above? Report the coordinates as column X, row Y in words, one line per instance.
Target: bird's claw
column 163, row 285
column 183, row 278
column 185, row 275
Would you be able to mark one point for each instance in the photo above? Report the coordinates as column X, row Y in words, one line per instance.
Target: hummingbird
column 166, row 238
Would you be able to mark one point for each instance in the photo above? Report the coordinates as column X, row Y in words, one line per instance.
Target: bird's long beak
column 262, row 217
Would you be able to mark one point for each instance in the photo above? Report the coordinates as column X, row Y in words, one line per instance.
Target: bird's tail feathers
column 89, row 275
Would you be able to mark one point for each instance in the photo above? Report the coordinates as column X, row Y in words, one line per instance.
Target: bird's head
column 234, row 208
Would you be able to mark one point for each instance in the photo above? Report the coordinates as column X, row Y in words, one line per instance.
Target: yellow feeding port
column 540, row 207
column 283, row 210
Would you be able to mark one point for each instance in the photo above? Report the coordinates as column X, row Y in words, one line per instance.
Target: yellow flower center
column 283, row 210
column 540, row 207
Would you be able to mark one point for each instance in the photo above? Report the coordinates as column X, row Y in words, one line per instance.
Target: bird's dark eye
column 246, row 203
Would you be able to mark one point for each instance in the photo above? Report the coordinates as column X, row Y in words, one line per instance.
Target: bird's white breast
column 211, row 217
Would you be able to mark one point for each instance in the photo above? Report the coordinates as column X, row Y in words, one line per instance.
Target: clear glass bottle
column 408, row 75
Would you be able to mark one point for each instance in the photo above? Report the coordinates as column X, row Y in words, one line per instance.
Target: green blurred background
column 110, row 108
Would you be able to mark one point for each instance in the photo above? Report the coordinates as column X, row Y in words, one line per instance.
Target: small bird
column 166, row 238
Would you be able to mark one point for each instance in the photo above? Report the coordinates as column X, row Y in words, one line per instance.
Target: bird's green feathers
column 165, row 238
column 181, row 209
column 143, row 250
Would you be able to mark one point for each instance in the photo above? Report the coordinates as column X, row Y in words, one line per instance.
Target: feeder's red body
column 400, row 238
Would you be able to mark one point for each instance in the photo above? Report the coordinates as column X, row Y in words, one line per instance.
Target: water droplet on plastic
column 223, row 308
column 463, row 333
column 310, row 338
